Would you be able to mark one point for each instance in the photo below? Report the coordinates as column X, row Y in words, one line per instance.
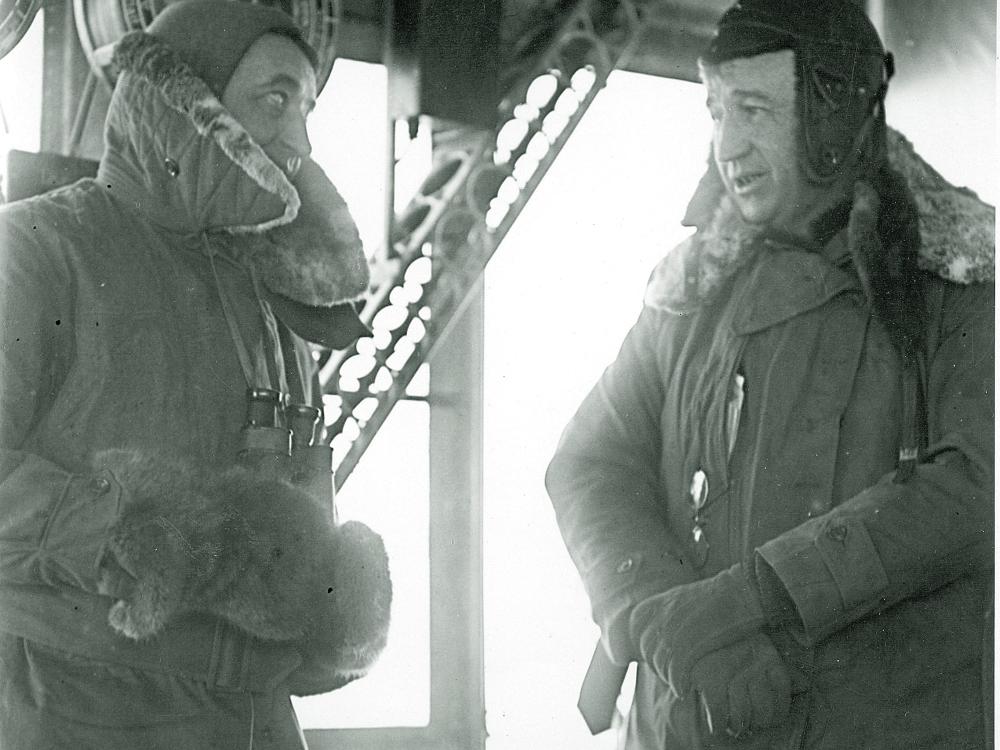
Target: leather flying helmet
column 842, row 71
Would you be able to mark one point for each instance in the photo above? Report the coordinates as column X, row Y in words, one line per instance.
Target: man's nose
column 731, row 139
column 297, row 136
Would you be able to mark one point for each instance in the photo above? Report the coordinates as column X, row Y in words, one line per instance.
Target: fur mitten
column 259, row 553
column 348, row 632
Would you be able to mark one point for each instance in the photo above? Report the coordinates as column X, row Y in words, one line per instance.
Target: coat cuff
column 618, row 583
column 829, row 569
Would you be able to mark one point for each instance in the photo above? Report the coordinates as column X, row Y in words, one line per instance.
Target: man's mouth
column 292, row 165
column 748, row 181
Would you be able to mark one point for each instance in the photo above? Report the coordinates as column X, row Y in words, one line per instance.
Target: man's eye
column 276, row 99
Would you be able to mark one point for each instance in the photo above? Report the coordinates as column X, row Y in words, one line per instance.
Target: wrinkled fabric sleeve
column 52, row 521
column 897, row 541
column 605, row 488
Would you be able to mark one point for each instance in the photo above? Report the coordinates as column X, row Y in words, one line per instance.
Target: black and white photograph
column 497, row 374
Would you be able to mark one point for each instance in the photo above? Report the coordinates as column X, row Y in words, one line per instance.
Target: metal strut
column 459, row 216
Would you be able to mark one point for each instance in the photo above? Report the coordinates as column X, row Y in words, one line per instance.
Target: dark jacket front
column 889, row 580
column 114, row 336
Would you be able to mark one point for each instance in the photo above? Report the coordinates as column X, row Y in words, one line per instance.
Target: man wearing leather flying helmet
column 779, row 495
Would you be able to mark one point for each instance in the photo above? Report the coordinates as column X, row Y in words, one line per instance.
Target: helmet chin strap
column 863, row 158
column 827, row 163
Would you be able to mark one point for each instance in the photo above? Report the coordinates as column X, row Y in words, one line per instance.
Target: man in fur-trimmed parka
column 780, row 494
column 155, row 592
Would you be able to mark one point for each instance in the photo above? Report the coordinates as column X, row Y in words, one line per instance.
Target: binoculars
column 284, row 441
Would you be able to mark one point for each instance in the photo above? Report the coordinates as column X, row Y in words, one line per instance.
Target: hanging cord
column 271, row 328
column 227, row 311
column 272, row 339
column 253, row 716
column 910, row 443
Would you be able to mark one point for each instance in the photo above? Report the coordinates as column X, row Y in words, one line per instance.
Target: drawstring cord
column 252, row 374
column 252, row 718
column 913, row 379
column 227, row 312
column 271, row 327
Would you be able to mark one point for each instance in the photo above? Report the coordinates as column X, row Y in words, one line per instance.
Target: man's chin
column 753, row 214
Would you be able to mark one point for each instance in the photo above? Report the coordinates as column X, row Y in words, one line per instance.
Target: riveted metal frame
column 457, row 695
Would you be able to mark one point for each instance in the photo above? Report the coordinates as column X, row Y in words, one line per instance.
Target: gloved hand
column 672, row 630
column 168, row 537
column 741, row 688
column 257, row 552
column 348, row 631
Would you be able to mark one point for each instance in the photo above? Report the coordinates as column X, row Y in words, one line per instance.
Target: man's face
column 755, row 140
column 271, row 93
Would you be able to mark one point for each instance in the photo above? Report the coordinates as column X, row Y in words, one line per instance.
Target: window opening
column 559, row 300
column 21, row 96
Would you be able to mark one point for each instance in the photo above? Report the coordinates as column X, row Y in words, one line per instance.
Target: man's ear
column 706, row 196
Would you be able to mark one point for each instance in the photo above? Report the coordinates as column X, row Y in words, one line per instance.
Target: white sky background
column 21, row 96
column 561, row 293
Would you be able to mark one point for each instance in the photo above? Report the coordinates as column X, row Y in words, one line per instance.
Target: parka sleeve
column 897, row 541
column 52, row 520
column 605, row 489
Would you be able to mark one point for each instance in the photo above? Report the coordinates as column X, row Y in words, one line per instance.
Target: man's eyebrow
column 741, row 95
column 283, row 79
column 752, row 94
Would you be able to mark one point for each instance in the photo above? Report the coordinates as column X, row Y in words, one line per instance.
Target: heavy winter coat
column 114, row 336
column 889, row 580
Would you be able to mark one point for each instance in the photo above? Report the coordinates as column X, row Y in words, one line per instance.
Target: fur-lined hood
column 178, row 156
column 955, row 239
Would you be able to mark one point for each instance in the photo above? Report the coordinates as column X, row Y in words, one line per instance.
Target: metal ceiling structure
column 670, row 34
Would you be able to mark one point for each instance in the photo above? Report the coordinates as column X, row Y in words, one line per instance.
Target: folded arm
column 896, row 541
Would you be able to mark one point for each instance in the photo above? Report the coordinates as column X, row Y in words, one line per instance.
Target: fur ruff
column 148, row 59
column 883, row 236
column 312, row 253
column 258, row 552
column 957, row 229
column 907, row 218
column 318, row 259
column 693, row 273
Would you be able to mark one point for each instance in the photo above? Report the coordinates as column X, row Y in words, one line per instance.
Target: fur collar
column 908, row 218
column 957, row 229
column 178, row 155
column 693, row 273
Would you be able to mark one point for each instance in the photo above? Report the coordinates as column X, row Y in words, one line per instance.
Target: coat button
column 837, row 533
column 172, row 167
column 625, row 565
column 817, row 508
column 100, row 485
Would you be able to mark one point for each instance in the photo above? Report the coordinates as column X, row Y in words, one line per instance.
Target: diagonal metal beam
column 444, row 240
